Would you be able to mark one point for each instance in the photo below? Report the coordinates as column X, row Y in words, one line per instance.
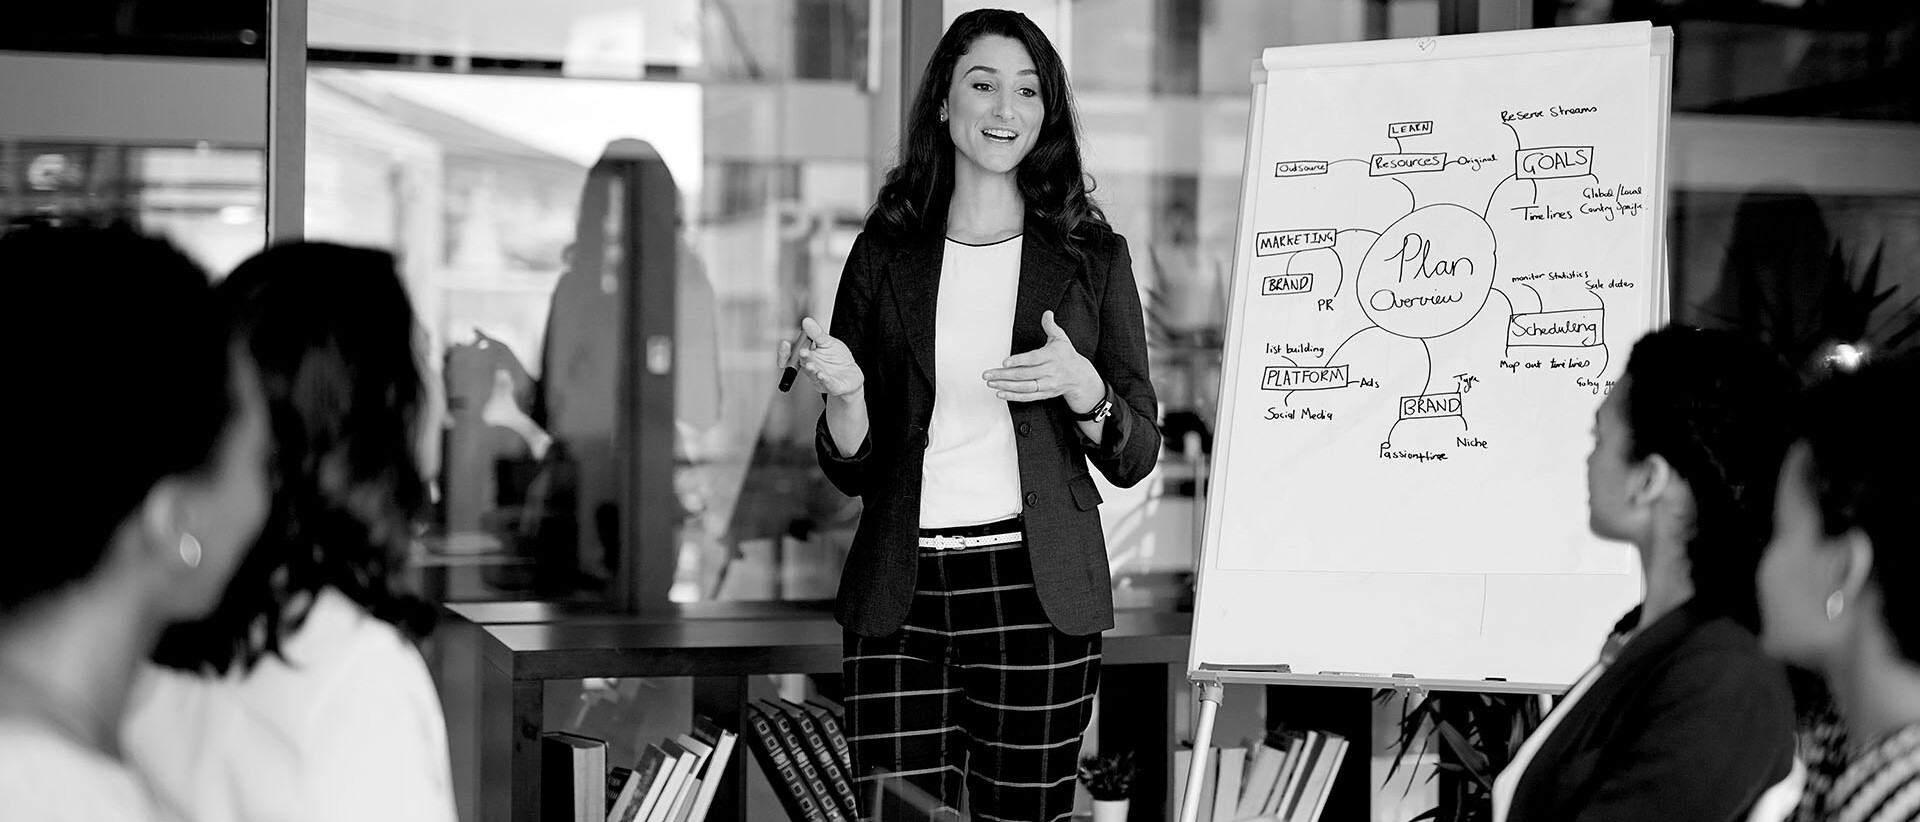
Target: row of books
column 806, row 757
column 673, row 781
column 1285, row 777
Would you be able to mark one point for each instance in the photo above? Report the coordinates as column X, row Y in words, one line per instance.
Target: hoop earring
column 189, row 550
column 1836, row 603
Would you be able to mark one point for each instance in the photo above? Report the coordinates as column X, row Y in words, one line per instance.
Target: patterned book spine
column 828, row 761
column 797, row 750
column 831, row 725
column 797, row 798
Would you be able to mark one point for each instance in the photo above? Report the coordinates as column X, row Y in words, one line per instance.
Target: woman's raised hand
column 827, row 362
column 1052, row 370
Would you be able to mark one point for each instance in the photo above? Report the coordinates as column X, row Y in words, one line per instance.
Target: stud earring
column 1835, row 605
column 189, row 550
column 943, row 117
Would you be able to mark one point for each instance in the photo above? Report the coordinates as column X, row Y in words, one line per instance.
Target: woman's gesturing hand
column 828, row 363
column 1052, row 370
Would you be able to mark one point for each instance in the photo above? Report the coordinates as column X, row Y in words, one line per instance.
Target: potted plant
column 1109, row 779
column 1479, row 734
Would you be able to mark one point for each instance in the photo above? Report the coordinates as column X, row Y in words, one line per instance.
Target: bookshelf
column 493, row 661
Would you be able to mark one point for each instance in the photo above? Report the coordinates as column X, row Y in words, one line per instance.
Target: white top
column 972, row 470
column 47, row 777
column 351, row 729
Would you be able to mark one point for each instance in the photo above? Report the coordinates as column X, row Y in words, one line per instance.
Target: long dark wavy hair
column 913, row 201
column 330, row 330
column 1716, row 406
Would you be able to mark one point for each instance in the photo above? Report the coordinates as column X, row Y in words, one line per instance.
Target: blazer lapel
column 916, row 293
column 1592, row 721
column 1045, row 271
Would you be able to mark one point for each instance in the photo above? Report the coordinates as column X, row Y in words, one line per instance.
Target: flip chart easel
column 1445, row 247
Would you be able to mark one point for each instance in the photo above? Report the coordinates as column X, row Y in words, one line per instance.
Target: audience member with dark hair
column 1837, row 584
column 303, row 696
column 139, row 476
column 1682, row 717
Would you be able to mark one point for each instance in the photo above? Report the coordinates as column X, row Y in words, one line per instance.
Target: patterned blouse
column 1880, row 785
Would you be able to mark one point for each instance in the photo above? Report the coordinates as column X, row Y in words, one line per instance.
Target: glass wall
column 152, row 116
column 487, row 144
column 1795, row 166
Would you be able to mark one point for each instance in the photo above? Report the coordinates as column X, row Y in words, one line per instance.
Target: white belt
column 957, row 543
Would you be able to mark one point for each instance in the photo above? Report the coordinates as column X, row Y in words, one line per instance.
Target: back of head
column 1715, row 405
column 330, row 331
column 119, row 381
column 1865, row 473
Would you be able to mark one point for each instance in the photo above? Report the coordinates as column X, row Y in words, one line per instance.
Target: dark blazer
column 1692, row 722
column 884, row 312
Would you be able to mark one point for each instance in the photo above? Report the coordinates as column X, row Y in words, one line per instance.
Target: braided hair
column 1714, row 404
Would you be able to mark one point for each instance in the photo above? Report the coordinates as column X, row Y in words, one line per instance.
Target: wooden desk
column 508, row 664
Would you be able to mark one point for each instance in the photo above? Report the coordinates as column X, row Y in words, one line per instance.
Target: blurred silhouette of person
column 140, row 481
column 489, row 434
column 577, row 397
column 303, row 697
column 1773, row 282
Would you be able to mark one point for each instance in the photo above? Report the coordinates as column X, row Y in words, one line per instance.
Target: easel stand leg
column 1210, row 695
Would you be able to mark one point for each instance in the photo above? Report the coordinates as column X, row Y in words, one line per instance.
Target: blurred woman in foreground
column 1837, row 586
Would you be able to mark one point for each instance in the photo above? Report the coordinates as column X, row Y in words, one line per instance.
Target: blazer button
column 1026, row 429
column 1033, row 498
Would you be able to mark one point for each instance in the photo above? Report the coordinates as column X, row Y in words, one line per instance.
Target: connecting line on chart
column 1399, row 146
column 1518, row 144
column 1503, row 295
column 1413, row 200
column 1606, row 354
column 1496, row 192
column 1343, row 267
column 1428, row 383
column 1507, row 346
column 1343, row 343
column 1536, row 297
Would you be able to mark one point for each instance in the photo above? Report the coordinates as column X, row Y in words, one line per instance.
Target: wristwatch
column 1100, row 410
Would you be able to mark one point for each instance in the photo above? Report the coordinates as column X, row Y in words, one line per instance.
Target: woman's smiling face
column 994, row 108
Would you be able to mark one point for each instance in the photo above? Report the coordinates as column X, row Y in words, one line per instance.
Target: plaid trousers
column 976, row 689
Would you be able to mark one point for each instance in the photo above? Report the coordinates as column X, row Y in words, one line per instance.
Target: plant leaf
column 1471, row 757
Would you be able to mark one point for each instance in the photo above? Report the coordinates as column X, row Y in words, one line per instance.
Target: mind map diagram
column 1460, row 256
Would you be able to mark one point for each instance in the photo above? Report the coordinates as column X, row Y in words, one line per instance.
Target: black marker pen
column 793, row 355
